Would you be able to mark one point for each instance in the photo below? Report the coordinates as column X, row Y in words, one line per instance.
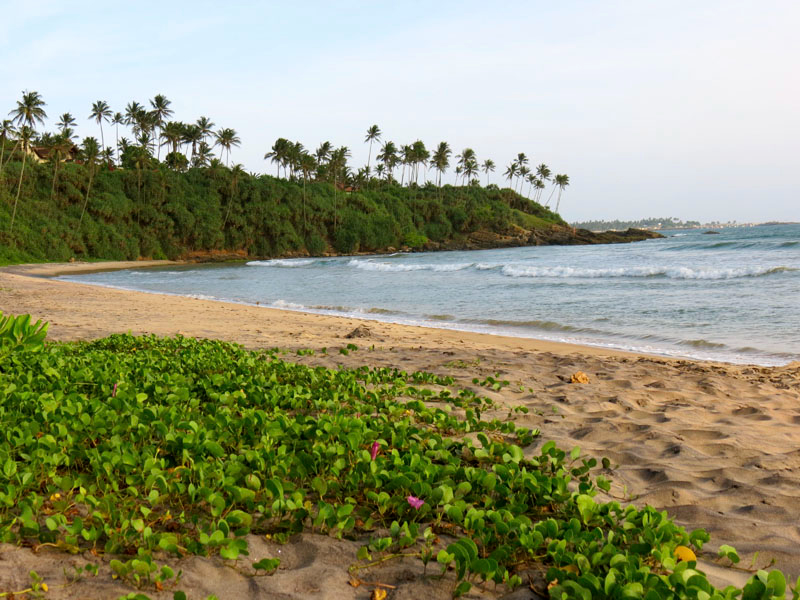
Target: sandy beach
column 716, row 445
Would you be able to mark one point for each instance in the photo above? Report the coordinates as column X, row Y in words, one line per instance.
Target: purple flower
column 114, row 392
column 374, row 451
column 415, row 502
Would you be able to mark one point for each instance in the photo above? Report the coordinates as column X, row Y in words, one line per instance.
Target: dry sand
column 716, row 445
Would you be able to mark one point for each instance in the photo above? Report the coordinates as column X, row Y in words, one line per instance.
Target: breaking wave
column 369, row 265
column 666, row 272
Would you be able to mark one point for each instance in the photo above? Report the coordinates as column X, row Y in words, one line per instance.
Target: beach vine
column 130, row 446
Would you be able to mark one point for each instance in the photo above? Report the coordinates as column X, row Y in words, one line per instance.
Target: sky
column 653, row 108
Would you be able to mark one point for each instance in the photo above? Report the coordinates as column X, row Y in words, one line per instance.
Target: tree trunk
column 88, row 191
column 19, row 188
column 55, row 176
column 558, row 202
column 550, row 197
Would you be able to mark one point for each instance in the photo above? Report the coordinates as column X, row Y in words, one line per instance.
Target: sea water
column 732, row 296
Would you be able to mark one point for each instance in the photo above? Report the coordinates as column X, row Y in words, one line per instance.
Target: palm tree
column 192, row 134
column 441, row 159
column 405, row 159
column 539, row 184
column 206, row 127
column 117, row 120
column 172, row 133
column 511, row 171
column 203, row 155
column 543, row 173
column 488, row 166
column 66, row 121
column 27, row 114
column 562, row 181
column 90, row 153
column 323, row 153
column 419, row 156
column 279, row 154
column 388, row 156
column 373, row 135
column 226, row 138
column 470, row 170
column 161, row 111
column 523, row 174
column 467, row 155
column 6, row 131
column 101, row 112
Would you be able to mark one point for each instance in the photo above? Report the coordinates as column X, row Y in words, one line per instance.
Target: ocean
column 732, row 296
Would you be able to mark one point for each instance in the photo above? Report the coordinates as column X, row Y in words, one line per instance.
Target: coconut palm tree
column 206, row 127
column 419, row 156
column 543, row 172
column 101, row 112
column 226, row 139
column 161, row 111
column 488, row 166
column 203, row 156
column 388, row 156
column 192, row 134
column 323, row 153
column 117, row 120
column 90, row 154
column 470, row 170
column 441, row 159
column 279, row 154
column 523, row 175
column 373, row 135
column 172, row 134
column 562, row 181
column 539, row 185
column 511, row 171
column 66, row 121
column 6, row 132
column 29, row 112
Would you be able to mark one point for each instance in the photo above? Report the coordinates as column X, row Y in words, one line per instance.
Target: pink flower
column 415, row 502
column 374, row 451
column 114, row 392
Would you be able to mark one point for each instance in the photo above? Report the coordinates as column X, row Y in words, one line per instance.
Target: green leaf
column 267, row 564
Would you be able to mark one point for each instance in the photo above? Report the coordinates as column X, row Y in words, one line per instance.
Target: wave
column 368, row 265
column 765, row 245
column 666, row 272
column 283, row 262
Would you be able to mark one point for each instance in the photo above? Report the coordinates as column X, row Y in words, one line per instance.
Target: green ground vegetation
column 135, row 446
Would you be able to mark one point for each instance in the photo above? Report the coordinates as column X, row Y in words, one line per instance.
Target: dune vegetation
column 133, row 447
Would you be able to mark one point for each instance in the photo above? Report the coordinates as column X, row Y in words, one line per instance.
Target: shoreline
column 610, row 346
column 717, row 445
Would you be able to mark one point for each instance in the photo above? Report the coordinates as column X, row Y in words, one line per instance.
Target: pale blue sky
column 653, row 108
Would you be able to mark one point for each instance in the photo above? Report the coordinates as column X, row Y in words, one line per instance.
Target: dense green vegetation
column 129, row 446
column 95, row 200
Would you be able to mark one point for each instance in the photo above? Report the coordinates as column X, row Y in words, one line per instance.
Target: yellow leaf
column 682, row 553
column 44, row 587
column 378, row 594
column 571, row 569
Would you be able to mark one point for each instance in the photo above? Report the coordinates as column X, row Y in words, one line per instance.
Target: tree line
column 162, row 174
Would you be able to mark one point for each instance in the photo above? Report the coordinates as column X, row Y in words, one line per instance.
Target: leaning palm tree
column 90, row 154
column 487, row 167
column 279, row 153
column 562, row 181
column 539, row 185
column 543, row 172
column 6, row 131
column 373, row 135
column 27, row 114
column 226, row 139
column 523, row 175
column 161, row 111
column 101, row 112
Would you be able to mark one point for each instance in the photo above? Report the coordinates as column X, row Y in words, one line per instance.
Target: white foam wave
column 668, row 272
column 288, row 305
column 282, row 262
column 368, row 265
